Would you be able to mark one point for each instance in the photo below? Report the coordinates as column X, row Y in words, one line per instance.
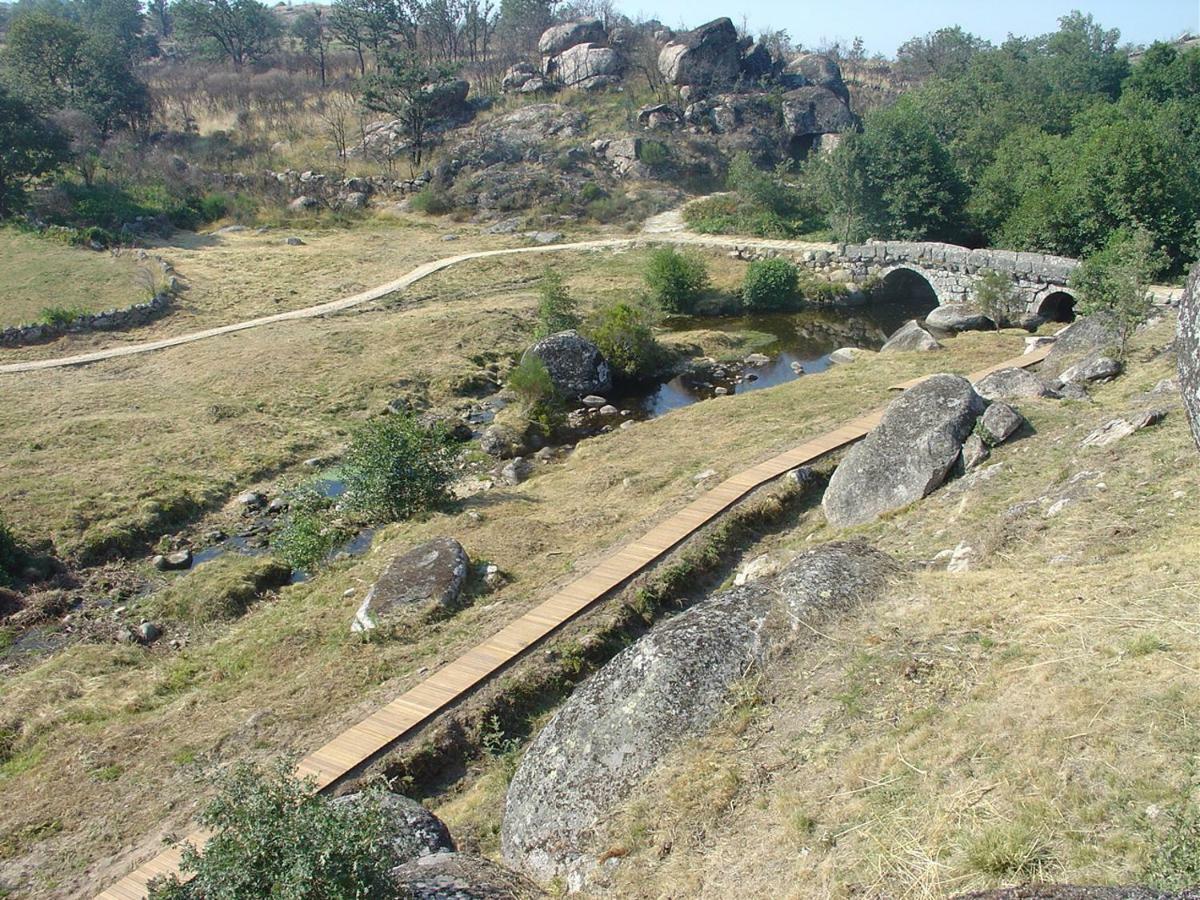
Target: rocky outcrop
column 412, row 830
column 575, row 364
column 584, row 65
column 814, row 69
column 522, row 77
column 910, row 337
column 447, row 98
column 1094, row 367
column 670, row 685
column 1188, row 350
column 809, row 111
column 429, row 576
column 705, row 58
column 908, row 455
column 557, row 38
column 1012, row 384
column 457, row 876
column 955, row 317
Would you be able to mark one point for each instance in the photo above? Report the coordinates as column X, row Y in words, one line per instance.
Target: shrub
column 397, row 467
column 309, row 532
column 996, row 296
column 530, row 380
column 770, row 284
column 11, row 556
column 624, row 334
column 431, row 201
column 556, row 309
column 1113, row 282
column 676, row 280
column 61, row 316
column 654, row 154
column 274, row 836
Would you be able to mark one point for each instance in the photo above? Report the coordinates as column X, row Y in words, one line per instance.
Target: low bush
column 770, row 284
column 61, row 316
column 676, row 280
column 431, row 201
column 817, row 290
column 397, row 467
column 654, row 154
column 624, row 333
column 274, row 836
column 310, row 531
column 11, row 555
column 556, row 309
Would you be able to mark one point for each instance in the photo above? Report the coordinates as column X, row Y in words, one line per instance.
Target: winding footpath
column 654, row 233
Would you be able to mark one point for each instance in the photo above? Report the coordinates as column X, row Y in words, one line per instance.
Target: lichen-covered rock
column 429, row 575
column 955, row 317
column 1012, row 384
column 909, row 454
column 1188, row 350
column 707, row 58
column 575, row 364
column 817, row 70
column 910, row 337
column 447, row 98
column 557, row 38
column 412, row 830
column 1080, row 339
column 458, row 876
column 583, row 62
column 815, row 110
column 974, row 452
column 999, row 422
column 670, row 685
column 1096, row 367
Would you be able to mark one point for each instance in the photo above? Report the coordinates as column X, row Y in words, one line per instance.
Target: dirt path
column 666, row 235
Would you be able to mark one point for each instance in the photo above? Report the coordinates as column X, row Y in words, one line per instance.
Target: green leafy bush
column 556, row 309
column 624, row 334
column 654, row 154
column 676, row 280
column 275, row 837
column 310, row 532
column 770, row 284
column 397, row 467
column 1113, row 282
column 61, row 316
column 431, row 202
column 996, row 296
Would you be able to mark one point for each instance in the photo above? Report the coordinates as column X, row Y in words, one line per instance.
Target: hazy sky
column 885, row 24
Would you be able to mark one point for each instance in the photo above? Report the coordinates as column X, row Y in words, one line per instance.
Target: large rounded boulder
column 576, row 365
column 412, row 830
column 917, row 443
column 582, row 63
column 1188, row 350
column 816, row 69
column 670, row 685
column 558, row 38
column 1083, row 339
column 707, row 57
column 428, row 577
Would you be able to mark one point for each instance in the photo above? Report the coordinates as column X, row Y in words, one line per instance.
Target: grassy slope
column 111, row 738
column 37, row 273
column 1031, row 718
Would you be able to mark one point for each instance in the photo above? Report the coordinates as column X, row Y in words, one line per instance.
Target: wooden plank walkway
column 404, row 715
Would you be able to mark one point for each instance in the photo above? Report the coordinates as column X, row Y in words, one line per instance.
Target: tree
column 400, row 90
column 947, row 51
column 996, row 295
column 1113, row 282
column 375, row 25
column 838, row 181
column 242, row 31
column 556, row 309
column 397, row 467
column 29, row 148
column 57, row 65
column 310, row 32
column 274, row 835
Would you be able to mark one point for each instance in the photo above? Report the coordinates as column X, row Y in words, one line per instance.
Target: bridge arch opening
column 1058, row 306
column 910, row 288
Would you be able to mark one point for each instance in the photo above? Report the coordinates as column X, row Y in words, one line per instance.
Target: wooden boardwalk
column 403, row 716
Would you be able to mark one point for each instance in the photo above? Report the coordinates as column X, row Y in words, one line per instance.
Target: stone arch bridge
column 1042, row 282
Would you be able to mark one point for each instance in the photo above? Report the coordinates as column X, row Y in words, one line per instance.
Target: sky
column 885, row 24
